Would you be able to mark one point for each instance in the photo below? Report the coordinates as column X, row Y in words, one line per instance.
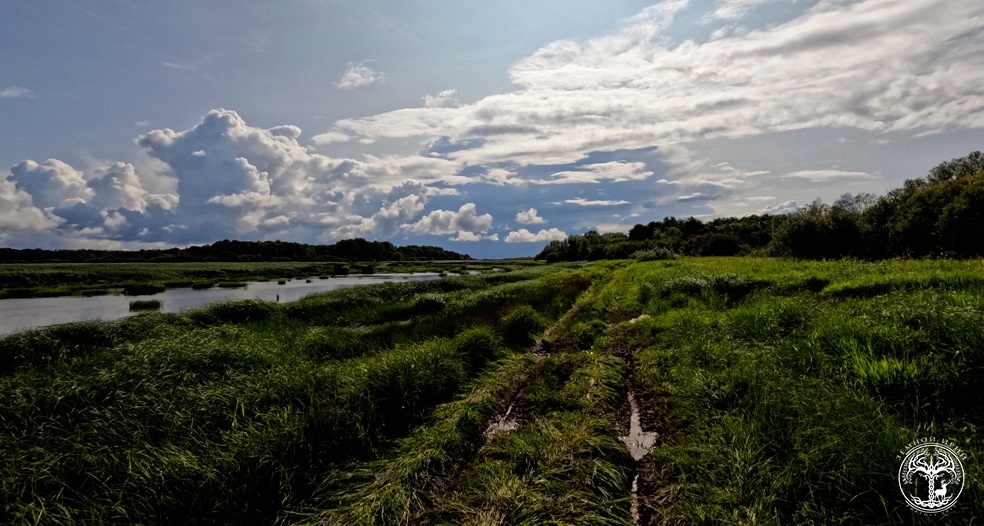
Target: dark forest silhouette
column 357, row 249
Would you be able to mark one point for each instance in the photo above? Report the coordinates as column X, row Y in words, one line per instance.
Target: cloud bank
column 234, row 180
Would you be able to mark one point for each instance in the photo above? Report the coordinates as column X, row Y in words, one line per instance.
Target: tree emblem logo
column 931, row 476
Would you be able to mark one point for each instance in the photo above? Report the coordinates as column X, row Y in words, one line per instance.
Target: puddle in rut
column 504, row 423
column 639, row 443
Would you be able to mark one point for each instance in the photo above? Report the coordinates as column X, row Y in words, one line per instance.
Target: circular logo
column 931, row 476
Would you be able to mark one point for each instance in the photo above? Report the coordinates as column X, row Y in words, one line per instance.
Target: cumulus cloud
column 15, row 92
column 18, row 213
column 233, row 180
column 401, row 204
column 51, row 184
column 117, row 186
column 466, row 219
column 357, row 75
column 471, row 236
column 787, row 207
column 525, row 236
column 529, row 217
column 56, row 198
column 448, row 97
column 879, row 66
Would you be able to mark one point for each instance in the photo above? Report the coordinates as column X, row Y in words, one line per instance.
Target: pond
column 20, row 314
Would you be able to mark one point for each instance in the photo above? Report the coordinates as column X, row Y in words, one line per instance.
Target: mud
column 638, row 442
column 507, row 421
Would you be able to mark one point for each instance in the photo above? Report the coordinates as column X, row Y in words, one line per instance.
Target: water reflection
column 20, row 314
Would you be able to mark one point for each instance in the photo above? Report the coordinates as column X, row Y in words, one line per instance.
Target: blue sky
column 484, row 127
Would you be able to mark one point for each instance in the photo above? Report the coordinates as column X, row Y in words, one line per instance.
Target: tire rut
column 635, row 427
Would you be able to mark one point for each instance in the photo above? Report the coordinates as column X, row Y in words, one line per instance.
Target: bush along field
column 683, row 391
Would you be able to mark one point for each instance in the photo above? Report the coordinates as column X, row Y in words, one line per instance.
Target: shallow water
column 20, row 314
column 638, row 442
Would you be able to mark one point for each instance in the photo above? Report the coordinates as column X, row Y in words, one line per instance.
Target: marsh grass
column 142, row 289
column 61, row 279
column 146, row 305
column 238, row 411
column 787, row 402
column 563, row 465
column 400, row 488
column 781, row 392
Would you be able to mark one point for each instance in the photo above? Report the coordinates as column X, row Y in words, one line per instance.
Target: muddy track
column 639, row 438
column 515, row 409
column 635, row 425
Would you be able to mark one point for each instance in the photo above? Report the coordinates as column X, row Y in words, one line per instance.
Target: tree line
column 940, row 215
column 357, row 249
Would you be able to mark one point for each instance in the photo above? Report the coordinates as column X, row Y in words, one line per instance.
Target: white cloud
column 18, row 213
column 471, row 236
column 501, row 177
column 878, row 65
column 615, row 171
column 529, row 217
column 525, row 236
column 448, row 97
column 605, row 228
column 51, row 184
column 117, row 186
column 787, row 207
column 55, row 197
column 402, row 204
column 179, row 67
column 357, row 75
column 580, row 201
column 466, row 219
column 735, row 9
column 329, row 138
column 14, row 92
column 827, row 175
column 235, row 179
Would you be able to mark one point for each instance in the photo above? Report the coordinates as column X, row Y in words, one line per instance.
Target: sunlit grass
column 787, row 388
column 781, row 392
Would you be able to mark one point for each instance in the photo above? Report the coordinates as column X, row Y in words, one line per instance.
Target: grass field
column 779, row 392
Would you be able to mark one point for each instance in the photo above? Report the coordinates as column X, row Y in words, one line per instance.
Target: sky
column 489, row 128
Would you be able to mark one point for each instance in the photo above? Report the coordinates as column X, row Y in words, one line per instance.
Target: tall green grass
column 785, row 390
column 781, row 392
column 238, row 412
